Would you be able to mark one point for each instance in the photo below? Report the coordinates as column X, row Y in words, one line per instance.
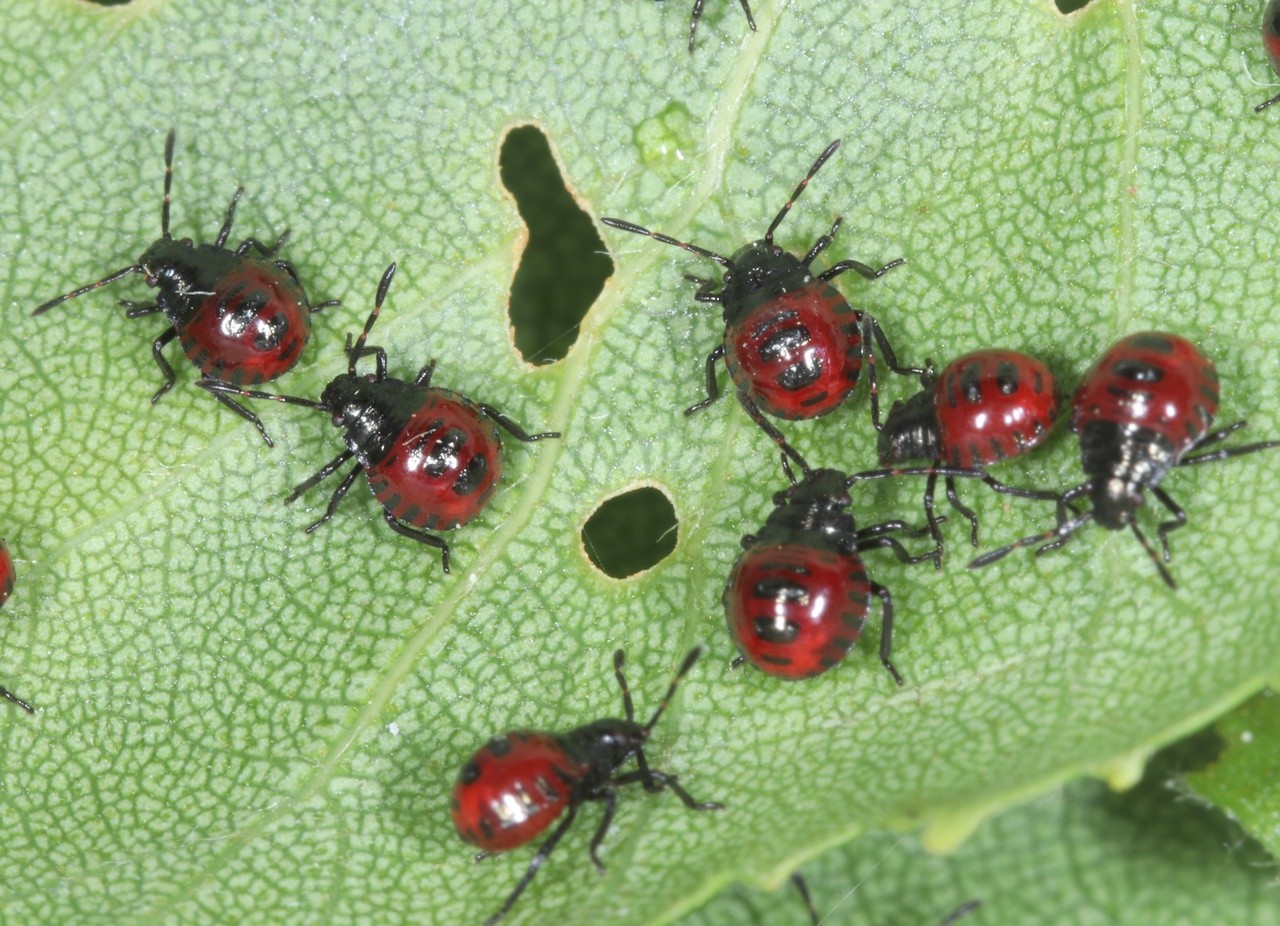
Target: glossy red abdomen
column 252, row 328
column 1152, row 380
column 992, row 405
column 443, row 465
column 795, row 610
column 514, row 787
column 798, row 355
column 7, row 573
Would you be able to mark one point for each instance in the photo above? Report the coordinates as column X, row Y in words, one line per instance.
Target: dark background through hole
column 631, row 532
column 565, row 264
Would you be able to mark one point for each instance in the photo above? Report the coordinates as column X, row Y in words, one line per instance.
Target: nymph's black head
column 758, row 270
column 607, row 744
column 362, row 407
column 604, row 745
column 175, row 267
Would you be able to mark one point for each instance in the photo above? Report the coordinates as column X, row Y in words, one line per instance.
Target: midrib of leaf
column 1127, row 175
column 574, row 370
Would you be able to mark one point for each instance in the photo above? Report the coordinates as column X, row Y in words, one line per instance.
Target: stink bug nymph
column 432, row 456
column 241, row 316
column 986, row 406
column 792, row 343
column 519, row 783
column 798, row 596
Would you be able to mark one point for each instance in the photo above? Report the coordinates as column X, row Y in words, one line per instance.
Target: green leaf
column 1080, row 854
column 1242, row 780
column 242, row 721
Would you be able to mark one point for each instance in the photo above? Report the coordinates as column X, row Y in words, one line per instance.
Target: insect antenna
column 110, row 278
column 357, row 350
column 168, row 183
column 782, row 213
column 692, row 248
column 619, row 659
column 671, row 689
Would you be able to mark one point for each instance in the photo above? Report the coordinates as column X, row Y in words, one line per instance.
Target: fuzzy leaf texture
column 239, row 721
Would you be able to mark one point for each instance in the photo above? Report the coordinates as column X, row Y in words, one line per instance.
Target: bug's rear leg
column 288, row 268
column 535, row 863
column 886, row 627
column 422, row 537
column 891, row 358
column 963, row 509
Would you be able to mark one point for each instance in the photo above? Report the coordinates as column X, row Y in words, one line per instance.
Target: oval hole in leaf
column 631, row 532
column 564, row 264
column 1070, row 6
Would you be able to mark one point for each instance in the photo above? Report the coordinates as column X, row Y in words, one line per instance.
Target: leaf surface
column 241, row 721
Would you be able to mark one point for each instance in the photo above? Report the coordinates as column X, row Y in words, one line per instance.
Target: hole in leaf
column 109, row 2
column 564, row 265
column 631, row 532
column 1070, row 6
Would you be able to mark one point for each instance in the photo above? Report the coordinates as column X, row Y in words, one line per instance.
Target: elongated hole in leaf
column 631, row 532
column 564, row 264
column 1070, row 6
